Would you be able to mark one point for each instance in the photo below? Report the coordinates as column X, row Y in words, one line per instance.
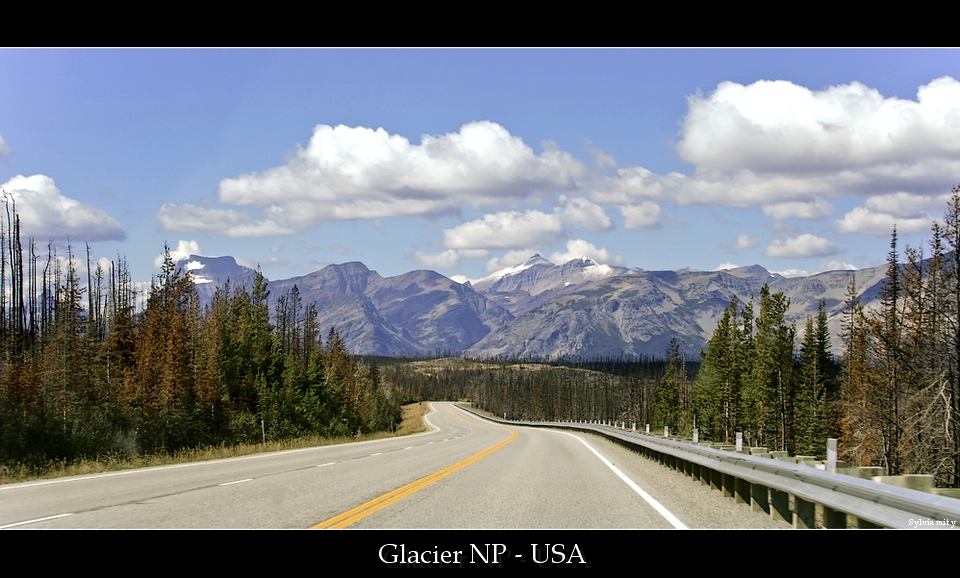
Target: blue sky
column 466, row 161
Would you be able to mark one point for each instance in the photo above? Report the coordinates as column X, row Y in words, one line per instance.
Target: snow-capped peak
column 507, row 271
column 536, row 259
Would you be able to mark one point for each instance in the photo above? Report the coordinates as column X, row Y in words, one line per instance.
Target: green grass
column 412, row 423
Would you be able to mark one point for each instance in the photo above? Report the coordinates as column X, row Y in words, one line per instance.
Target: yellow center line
column 360, row 512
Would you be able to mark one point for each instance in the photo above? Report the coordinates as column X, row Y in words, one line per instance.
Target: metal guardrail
column 875, row 503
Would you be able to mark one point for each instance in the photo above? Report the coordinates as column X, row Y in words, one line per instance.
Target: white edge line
column 326, row 464
column 649, row 499
column 14, row 525
column 433, row 410
column 235, row 482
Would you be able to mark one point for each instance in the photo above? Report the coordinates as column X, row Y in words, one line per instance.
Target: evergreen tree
column 717, row 389
column 815, row 364
column 160, row 386
column 667, row 409
column 768, row 391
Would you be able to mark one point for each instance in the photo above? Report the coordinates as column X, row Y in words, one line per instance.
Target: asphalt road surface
column 465, row 473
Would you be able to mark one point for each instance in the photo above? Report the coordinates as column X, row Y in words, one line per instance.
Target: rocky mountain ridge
column 538, row 309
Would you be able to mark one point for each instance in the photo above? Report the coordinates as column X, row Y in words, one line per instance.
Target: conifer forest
column 85, row 374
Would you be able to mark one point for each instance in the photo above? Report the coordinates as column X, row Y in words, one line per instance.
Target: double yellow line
column 361, row 512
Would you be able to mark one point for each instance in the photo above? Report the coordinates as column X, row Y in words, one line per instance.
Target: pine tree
column 887, row 394
column 768, row 392
column 815, row 366
column 160, row 386
column 717, row 389
column 667, row 408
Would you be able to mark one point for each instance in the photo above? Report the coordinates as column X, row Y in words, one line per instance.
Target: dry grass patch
column 413, row 418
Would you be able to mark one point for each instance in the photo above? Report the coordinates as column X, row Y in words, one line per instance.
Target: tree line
column 84, row 374
column 753, row 380
column 901, row 365
column 893, row 400
column 625, row 391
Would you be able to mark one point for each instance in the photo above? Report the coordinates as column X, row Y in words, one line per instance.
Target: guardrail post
column 862, row 472
column 741, row 490
column 919, row 482
column 834, row 518
column 728, row 485
column 804, row 513
column 758, row 498
column 780, row 506
column 716, row 479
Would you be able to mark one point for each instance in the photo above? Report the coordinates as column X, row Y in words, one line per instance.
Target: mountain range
column 537, row 309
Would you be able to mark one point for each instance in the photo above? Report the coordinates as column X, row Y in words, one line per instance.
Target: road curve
column 465, row 473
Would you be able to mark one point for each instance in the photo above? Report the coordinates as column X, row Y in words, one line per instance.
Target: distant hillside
column 538, row 309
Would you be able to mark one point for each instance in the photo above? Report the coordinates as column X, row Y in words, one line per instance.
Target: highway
column 465, row 472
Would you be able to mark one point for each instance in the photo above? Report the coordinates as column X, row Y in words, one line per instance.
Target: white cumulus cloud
column 630, row 184
column 581, row 212
column 644, row 215
column 837, row 265
column 46, row 213
column 778, row 126
column 183, row 250
column 4, row 149
column 358, row 172
column 505, row 230
column 906, row 204
column 788, row 149
column 864, row 220
column 442, row 260
column 811, row 210
column 805, row 245
column 725, row 266
column 741, row 242
column 228, row 222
